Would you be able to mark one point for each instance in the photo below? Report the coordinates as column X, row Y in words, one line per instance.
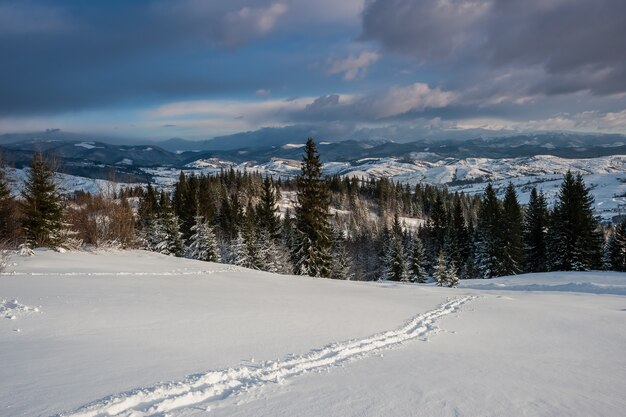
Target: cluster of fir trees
column 233, row 217
column 508, row 239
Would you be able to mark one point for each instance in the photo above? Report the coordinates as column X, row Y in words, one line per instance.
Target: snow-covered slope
column 111, row 327
column 66, row 183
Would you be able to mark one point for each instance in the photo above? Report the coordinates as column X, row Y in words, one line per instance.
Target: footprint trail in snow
column 208, row 389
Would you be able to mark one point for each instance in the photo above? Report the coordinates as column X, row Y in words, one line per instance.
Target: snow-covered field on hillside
column 136, row 334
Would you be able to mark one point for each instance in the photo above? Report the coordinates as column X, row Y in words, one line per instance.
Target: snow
column 66, row 183
column 293, row 145
column 137, row 333
column 88, row 145
column 12, row 309
column 125, row 161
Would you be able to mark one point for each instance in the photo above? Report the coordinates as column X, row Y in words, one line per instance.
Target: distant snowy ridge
column 208, row 389
column 609, row 283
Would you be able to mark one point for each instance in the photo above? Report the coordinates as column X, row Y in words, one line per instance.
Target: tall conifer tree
column 313, row 230
column 7, row 215
column 513, row 249
column 267, row 210
column 575, row 241
column 535, row 233
column 488, row 242
column 41, row 205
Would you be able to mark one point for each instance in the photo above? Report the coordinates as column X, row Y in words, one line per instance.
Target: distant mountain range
column 462, row 165
column 102, row 157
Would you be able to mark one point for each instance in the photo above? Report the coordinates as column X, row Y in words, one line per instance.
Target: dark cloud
column 578, row 44
column 74, row 55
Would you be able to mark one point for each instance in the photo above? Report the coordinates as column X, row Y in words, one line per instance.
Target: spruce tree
column 41, row 205
column 313, row 237
column 203, row 244
column 167, row 238
column 7, row 215
column 267, row 210
column 616, row 248
column 457, row 241
column 272, row 255
column 575, row 241
column 395, row 258
column 535, row 233
column 438, row 224
column 512, row 239
column 441, row 270
column 452, row 275
column 417, row 272
column 340, row 259
column 488, row 240
column 247, row 248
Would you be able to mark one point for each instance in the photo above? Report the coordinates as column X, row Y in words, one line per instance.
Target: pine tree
column 441, row 270
column 457, row 241
column 512, row 239
column 616, row 248
column 203, row 244
column 575, row 242
column 395, row 258
column 272, row 255
column 452, row 275
column 166, row 238
column 41, row 206
column 7, row 215
column 488, row 240
column 247, row 248
column 267, row 210
column 417, row 272
column 438, row 224
column 313, row 238
column 535, row 233
column 341, row 260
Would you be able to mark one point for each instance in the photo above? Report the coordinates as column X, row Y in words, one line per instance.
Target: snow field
column 109, row 322
column 207, row 388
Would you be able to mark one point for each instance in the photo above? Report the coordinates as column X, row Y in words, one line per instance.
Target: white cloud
column 250, row 113
column 334, row 107
column 415, row 97
column 252, row 21
column 354, row 66
column 227, row 23
column 263, row 92
column 587, row 121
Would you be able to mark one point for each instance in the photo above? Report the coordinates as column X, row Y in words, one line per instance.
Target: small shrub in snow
column 25, row 250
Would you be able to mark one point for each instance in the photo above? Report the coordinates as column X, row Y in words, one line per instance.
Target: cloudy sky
column 201, row 68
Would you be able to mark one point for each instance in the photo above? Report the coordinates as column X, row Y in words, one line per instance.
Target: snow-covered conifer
column 203, row 244
column 441, row 270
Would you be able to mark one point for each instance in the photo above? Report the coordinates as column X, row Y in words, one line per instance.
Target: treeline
column 343, row 228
